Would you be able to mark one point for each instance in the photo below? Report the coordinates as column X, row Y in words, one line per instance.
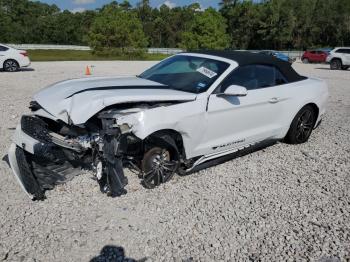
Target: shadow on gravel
column 26, row 70
column 20, row 70
column 114, row 254
column 5, row 158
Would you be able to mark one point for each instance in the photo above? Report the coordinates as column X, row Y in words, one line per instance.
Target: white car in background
column 185, row 113
column 339, row 58
column 11, row 59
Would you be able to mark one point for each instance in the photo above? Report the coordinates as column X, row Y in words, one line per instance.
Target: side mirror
column 234, row 90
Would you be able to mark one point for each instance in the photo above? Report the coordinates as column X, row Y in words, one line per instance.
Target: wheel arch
column 9, row 59
column 313, row 105
column 176, row 142
column 315, row 108
column 337, row 58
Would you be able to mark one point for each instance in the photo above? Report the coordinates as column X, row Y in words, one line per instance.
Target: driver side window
column 254, row 77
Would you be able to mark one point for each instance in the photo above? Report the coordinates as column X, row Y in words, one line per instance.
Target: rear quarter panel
column 16, row 55
column 301, row 93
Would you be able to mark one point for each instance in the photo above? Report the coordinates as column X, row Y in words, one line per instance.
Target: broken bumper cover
column 26, row 152
column 23, row 174
column 39, row 163
column 20, row 166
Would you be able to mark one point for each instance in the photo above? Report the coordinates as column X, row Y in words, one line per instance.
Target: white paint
column 205, row 121
column 13, row 54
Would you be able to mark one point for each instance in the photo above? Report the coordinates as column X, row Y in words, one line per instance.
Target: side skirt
column 203, row 164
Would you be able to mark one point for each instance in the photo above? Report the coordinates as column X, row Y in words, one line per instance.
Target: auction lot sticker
column 207, row 72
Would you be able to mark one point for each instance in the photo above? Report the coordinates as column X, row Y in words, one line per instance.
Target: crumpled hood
column 78, row 100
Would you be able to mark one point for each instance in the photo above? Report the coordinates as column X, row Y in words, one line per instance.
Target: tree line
column 236, row 24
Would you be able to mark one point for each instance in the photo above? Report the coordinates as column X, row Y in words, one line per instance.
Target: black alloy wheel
column 302, row 126
column 336, row 64
column 157, row 167
column 11, row 66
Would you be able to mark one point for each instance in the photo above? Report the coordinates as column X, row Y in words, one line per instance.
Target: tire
column 344, row 67
column 157, row 167
column 336, row 64
column 11, row 65
column 305, row 61
column 302, row 126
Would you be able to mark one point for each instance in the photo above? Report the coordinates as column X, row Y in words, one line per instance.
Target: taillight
column 24, row 53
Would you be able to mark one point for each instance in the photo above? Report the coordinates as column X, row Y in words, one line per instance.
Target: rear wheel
column 11, row 65
column 336, row 64
column 305, row 60
column 158, row 167
column 302, row 125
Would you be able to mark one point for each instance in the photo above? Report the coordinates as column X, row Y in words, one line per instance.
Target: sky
column 81, row 5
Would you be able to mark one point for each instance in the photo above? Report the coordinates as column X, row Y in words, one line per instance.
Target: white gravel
column 284, row 203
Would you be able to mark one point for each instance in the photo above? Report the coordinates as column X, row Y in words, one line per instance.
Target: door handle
column 274, row 100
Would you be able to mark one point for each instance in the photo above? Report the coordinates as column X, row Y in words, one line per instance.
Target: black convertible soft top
column 248, row 58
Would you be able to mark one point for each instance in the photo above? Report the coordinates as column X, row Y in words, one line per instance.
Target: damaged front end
column 47, row 152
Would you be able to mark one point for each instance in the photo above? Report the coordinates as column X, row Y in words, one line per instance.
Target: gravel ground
column 283, row 203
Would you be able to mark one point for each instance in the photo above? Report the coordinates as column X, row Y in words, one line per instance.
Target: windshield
column 186, row 73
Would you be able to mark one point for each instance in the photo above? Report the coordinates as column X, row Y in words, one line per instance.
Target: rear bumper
column 24, row 62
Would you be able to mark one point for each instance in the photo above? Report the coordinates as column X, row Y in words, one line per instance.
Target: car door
column 317, row 56
column 3, row 51
column 320, row 56
column 311, row 56
column 234, row 121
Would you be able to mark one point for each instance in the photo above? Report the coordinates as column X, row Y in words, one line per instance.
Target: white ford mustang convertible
column 189, row 111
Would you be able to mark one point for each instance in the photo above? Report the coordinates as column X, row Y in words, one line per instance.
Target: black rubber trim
column 248, row 58
column 27, row 177
column 225, row 158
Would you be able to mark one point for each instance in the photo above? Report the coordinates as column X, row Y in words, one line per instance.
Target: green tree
column 116, row 28
column 249, row 24
column 125, row 5
column 243, row 23
column 276, row 24
column 207, row 31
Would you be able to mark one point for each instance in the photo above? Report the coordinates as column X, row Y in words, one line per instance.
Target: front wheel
column 336, row 64
column 11, row 66
column 302, row 125
column 158, row 166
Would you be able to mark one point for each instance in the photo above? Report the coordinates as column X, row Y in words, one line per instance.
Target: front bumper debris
column 37, row 163
column 40, row 160
column 113, row 181
column 23, row 174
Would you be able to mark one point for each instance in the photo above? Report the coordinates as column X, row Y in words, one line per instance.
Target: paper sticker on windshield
column 207, row 72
